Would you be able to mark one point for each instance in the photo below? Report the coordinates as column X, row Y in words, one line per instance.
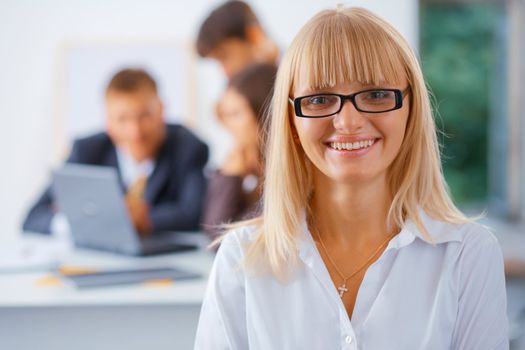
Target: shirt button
column 348, row 339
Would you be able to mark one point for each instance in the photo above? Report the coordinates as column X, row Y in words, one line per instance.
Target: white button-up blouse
column 449, row 294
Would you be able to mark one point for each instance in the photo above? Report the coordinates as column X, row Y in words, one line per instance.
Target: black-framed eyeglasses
column 367, row 101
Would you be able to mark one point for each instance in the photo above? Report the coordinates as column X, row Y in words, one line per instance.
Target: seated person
column 232, row 35
column 234, row 189
column 160, row 166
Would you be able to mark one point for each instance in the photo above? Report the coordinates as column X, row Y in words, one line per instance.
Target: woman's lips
column 357, row 148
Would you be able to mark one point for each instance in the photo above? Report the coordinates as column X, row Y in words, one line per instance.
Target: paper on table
column 28, row 256
column 129, row 276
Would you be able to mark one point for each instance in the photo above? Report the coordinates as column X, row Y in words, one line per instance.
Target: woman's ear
column 295, row 135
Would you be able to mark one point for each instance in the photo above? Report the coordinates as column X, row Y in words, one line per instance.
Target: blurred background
column 56, row 57
column 472, row 57
column 52, row 52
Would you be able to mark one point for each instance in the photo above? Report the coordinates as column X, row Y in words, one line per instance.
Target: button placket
column 348, row 340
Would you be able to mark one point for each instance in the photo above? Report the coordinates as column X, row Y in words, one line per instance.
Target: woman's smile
column 351, row 146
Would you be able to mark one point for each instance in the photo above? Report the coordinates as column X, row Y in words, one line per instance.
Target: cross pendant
column 342, row 290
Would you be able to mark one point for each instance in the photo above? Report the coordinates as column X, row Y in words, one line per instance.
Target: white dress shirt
column 417, row 295
column 130, row 169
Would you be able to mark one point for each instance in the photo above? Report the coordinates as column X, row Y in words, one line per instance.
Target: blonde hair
column 346, row 45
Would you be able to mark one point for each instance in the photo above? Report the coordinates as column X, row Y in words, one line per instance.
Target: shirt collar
column 131, row 169
column 439, row 231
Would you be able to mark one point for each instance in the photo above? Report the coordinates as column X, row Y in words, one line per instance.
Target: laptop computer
column 93, row 203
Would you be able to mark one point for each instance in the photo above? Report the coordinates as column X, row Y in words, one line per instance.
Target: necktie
column 137, row 188
column 137, row 206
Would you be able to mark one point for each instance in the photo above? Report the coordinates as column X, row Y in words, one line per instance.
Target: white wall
column 32, row 33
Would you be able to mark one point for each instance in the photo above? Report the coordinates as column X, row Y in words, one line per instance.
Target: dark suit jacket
column 175, row 190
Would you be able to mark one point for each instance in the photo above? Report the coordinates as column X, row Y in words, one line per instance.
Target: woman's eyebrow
column 359, row 86
column 334, row 89
column 316, row 90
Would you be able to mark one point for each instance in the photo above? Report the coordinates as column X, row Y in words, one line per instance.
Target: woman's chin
column 351, row 177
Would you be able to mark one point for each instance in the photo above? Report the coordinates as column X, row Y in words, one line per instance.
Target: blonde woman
column 359, row 245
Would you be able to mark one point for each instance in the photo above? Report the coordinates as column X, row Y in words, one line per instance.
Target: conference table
column 39, row 310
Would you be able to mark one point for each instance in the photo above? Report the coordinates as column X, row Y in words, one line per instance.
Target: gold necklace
column 342, row 288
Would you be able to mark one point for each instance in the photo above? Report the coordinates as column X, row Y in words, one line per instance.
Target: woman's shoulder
column 479, row 242
column 233, row 250
column 471, row 249
column 474, row 232
column 466, row 233
column 239, row 238
column 471, row 241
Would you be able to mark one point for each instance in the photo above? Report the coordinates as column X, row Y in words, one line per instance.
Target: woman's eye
column 321, row 100
column 378, row 95
column 317, row 100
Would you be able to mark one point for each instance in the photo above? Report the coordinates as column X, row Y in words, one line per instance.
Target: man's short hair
column 131, row 80
column 227, row 21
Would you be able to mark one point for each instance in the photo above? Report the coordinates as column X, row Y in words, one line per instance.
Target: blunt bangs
column 342, row 47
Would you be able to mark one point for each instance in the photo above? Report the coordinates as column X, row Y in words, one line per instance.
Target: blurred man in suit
column 160, row 166
column 232, row 35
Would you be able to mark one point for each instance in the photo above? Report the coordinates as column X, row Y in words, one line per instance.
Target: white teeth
column 351, row 145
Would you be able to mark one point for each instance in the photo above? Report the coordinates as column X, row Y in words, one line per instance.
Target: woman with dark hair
column 234, row 190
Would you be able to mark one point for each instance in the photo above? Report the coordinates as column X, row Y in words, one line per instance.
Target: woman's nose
column 349, row 118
